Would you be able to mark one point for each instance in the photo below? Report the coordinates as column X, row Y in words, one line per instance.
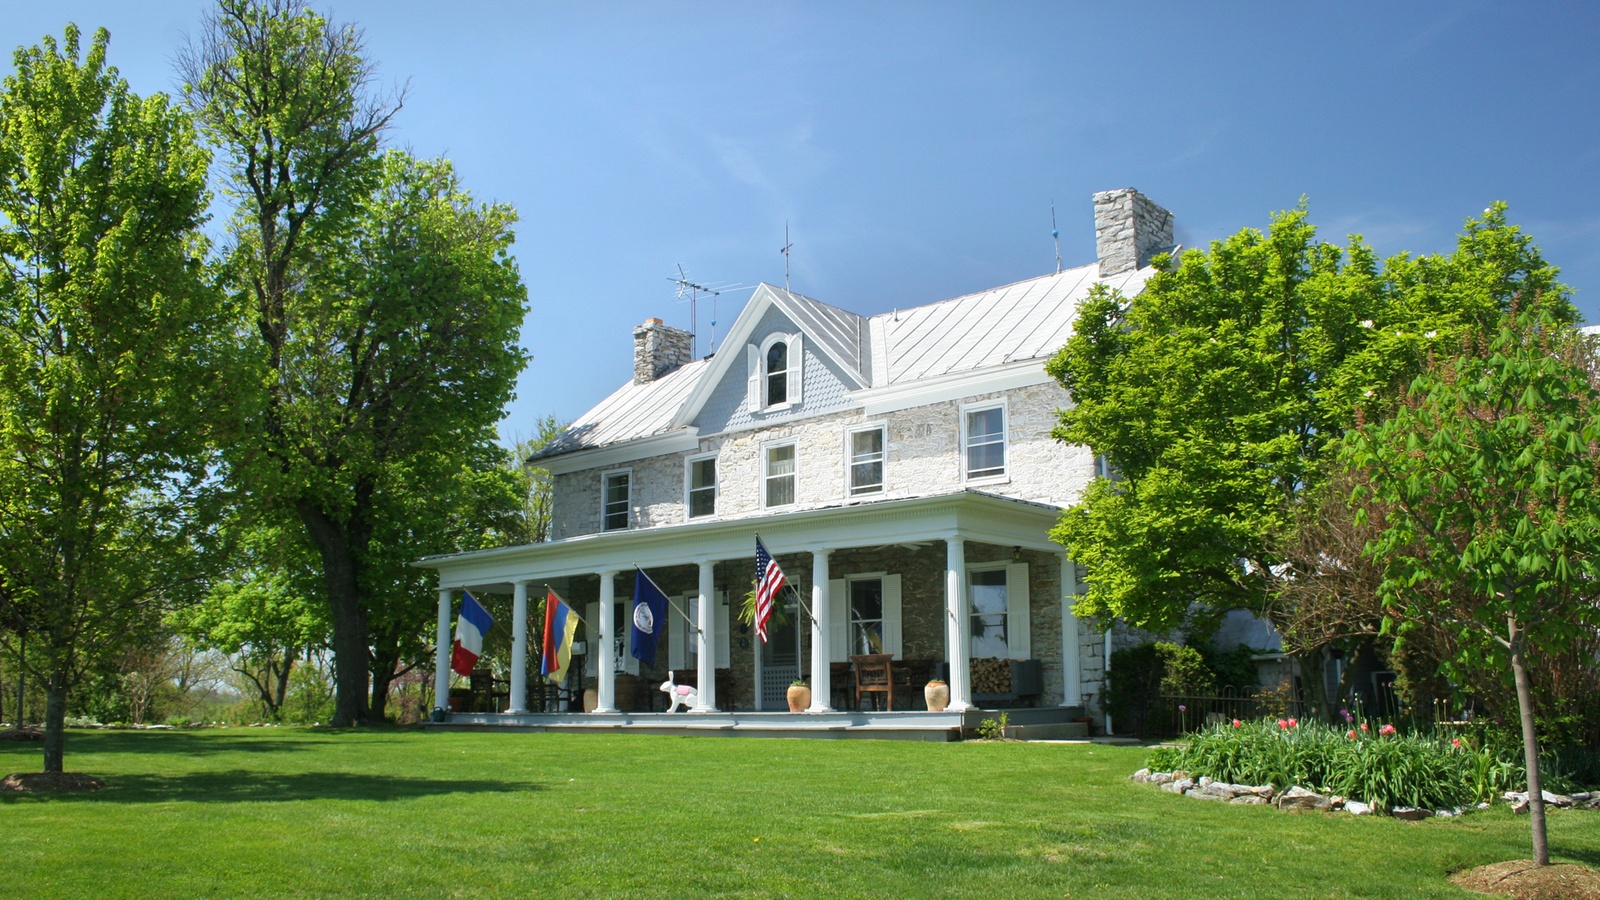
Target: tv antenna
column 787, row 246
column 693, row 290
column 1055, row 235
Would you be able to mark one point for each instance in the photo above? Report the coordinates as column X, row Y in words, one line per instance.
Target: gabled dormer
column 786, row 356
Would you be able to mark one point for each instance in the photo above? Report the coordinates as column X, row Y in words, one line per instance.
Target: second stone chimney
column 1129, row 228
column 659, row 349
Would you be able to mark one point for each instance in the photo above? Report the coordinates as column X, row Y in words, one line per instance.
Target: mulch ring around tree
column 51, row 782
column 1522, row 880
column 25, row 733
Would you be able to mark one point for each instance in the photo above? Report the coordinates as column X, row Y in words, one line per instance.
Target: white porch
column 941, row 532
column 1038, row 724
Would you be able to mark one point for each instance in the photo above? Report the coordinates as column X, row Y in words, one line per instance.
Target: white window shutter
column 724, row 647
column 797, row 368
column 891, row 615
column 598, row 655
column 1018, row 638
column 752, row 384
column 839, row 648
column 678, row 634
column 622, row 628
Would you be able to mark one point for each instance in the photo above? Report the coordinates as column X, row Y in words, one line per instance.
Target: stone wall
column 922, row 456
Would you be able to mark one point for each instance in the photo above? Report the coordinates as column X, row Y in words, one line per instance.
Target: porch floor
column 1045, row 723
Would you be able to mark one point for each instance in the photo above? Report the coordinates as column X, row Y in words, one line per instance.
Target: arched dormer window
column 777, row 373
column 776, row 365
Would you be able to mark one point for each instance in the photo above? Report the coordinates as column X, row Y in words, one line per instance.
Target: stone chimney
column 1129, row 228
column 659, row 349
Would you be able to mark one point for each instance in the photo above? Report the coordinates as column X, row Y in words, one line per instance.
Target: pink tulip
column 1351, row 734
column 1236, row 723
column 1455, row 742
column 1365, row 727
column 1283, row 723
column 1387, row 729
column 1293, row 724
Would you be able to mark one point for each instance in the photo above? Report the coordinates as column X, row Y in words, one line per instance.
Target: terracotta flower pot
column 799, row 697
column 937, row 695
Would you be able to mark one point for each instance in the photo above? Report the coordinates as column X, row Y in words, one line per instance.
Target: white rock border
column 1299, row 798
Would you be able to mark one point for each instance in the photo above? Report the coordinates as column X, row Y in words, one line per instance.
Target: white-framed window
column 616, row 499
column 700, row 486
column 776, row 366
column 779, row 470
column 865, row 615
column 983, row 441
column 997, row 610
column 864, row 451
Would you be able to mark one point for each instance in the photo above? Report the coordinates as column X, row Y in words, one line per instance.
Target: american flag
column 769, row 581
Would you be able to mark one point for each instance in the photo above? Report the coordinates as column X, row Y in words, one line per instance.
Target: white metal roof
column 1027, row 320
column 633, row 411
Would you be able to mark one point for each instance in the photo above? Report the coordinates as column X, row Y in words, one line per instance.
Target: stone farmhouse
column 900, row 468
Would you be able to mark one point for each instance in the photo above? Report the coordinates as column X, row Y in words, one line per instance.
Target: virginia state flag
column 560, row 624
column 649, row 618
column 470, row 629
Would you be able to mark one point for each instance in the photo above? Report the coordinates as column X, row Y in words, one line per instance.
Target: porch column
column 519, row 648
column 958, row 646
column 441, row 654
column 705, row 643
column 1071, row 672
column 821, row 675
column 606, row 652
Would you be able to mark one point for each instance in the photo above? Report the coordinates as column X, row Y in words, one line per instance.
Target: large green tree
column 387, row 306
column 1214, row 393
column 1486, row 479
column 109, row 361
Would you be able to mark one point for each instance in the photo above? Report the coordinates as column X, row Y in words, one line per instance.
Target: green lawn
column 288, row 812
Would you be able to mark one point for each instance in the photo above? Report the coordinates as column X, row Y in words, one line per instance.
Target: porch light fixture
column 1016, row 554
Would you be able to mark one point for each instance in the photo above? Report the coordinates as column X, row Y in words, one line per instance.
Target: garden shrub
column 1141, row 675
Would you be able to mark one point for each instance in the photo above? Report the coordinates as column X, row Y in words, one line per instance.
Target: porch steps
column 1050, row 731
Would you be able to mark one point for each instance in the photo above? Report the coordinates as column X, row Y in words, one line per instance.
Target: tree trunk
column 380, row 694
column 350, row 646
column 55, row 720
column 282, row 687
column 1530, row 745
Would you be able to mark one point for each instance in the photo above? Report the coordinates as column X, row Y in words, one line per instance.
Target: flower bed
column 1374, row 768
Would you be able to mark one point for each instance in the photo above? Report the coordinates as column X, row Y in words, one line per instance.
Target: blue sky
column 914, row 149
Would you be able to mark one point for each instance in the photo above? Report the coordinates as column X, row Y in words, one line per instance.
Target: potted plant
column 936, row 694
column 799, row 695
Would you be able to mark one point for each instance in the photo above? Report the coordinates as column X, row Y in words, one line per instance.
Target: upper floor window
column 780, row 475
column 702, row 486
column 776, row 365
column 616, row 500
column 777, row 374
column 983, row 442
column 866, row 460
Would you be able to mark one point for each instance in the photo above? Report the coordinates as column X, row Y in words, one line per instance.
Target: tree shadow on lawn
column 243, row 786
column 194, row 743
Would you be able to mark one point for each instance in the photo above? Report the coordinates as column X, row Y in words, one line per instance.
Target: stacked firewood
column 991, row 676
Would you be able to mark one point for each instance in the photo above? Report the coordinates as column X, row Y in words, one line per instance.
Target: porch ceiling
column 972, row 515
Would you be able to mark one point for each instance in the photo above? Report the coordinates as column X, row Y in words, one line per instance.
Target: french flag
column 470, row 629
